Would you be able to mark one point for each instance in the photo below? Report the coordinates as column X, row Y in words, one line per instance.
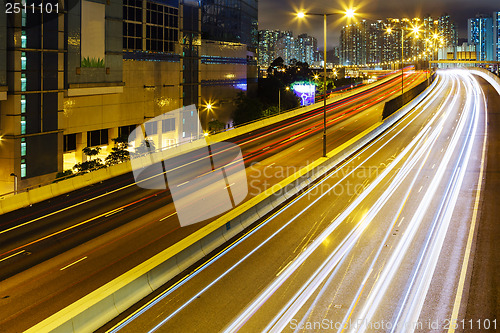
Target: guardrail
column 398, row 102
column 108, row 301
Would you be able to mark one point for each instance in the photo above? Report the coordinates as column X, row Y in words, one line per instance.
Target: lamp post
column 349, row 14
column 15, row 182
column 414, row 30
column 279, row 98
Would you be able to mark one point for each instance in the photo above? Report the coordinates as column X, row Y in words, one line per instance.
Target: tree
column 216, row 126
column 119, row 153
column 147, row 145
column 90, row 164
column 91, row 151
column 247, row 109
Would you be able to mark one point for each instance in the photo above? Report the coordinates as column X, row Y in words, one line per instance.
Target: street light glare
column 349, row 13
column 301, row 14
column 209, row 106
column 389, row 30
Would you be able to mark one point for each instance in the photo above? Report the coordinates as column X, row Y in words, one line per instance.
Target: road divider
column 100, row 306
column 17, row 201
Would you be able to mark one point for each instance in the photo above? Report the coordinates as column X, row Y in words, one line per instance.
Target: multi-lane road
column 382, row 244
column 56, row 252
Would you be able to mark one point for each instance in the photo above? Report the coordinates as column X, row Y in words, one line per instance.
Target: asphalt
column 75, row 251
column 483, row 302
column 379, row 245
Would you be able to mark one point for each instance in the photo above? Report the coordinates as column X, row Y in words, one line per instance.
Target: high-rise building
column 267, row 45
column 496, row 33
column 480, row 33
column 91, row 71
column 276, row 43
column 369, row 42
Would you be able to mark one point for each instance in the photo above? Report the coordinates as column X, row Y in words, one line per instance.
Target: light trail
column 177, row 285
column 390, row 269
column 293, row 306
column 337, row 254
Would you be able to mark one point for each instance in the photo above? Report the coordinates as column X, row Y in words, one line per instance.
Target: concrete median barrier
column 165, row 271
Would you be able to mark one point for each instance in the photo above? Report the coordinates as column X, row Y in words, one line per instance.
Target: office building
column 96, row 69
column 480, row 34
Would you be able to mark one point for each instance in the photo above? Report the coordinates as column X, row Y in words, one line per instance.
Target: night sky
column 277, row 14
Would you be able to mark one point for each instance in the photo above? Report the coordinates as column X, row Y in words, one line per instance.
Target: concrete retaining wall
column 14, row 202
column 98, row 307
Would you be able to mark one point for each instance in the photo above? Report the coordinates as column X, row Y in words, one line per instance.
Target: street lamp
column 279, row 98
column 349, row 13
column 15, row 182
column 415, row 30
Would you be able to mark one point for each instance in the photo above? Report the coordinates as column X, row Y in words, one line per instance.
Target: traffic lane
column 245, row 282
column 77, row 197
column 345, row 286
column 106, row 201
column 52, row 245
column 392, row 300
column 20, row 314
column 482, row 295
column 101, row 221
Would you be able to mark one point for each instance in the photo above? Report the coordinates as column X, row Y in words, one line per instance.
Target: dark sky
column 278, row 14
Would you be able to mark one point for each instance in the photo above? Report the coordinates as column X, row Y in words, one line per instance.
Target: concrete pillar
column 81, row 142
column 112, row 134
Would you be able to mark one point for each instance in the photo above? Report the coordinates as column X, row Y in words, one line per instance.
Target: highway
column 377, row 245
column 58, row 251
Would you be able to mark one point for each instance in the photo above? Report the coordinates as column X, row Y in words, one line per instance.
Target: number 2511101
column 16, row 8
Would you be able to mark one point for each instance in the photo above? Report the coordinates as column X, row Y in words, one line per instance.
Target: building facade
column 480, row 33
column 276, row 43
column 496, row 34
column 94, row 70
column 364, row 42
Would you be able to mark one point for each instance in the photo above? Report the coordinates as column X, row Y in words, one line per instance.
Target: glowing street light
column 349, row 13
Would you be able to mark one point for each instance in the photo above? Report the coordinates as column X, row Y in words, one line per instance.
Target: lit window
column 23, row 39
column 23, row 82
column 23, row 124
column 23, row 147
column 23, row 168
column 23, row 61
column 23, row 103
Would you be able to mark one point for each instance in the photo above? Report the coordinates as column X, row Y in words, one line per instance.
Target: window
column 168, row 125
column 97, row 138
column 23, row 39
column 23, row 124
column 69, row 142
column 151, row 128
column 23, row 103
column 23, row 168
column 124, row 131
column 23, row 82
column 23, row 61
column 23, row 147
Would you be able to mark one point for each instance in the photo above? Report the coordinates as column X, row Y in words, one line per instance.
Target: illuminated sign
column 306, row 93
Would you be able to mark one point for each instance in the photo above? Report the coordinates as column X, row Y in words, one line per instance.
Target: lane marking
column 465, row 265
column 114, row 212
column 166, row 217
column 73, row 263
column 12, row 255
column 183, row 184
